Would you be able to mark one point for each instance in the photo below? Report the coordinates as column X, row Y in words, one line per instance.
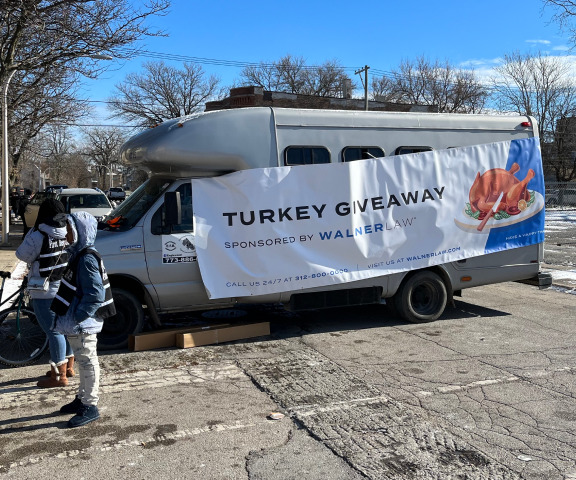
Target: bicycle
column 22, row 340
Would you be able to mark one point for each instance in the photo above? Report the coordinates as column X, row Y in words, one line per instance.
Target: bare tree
column 38, row 99
column 432, row 83
column 324, row 81
column 290, row 74
column 541, row 86
column 383, row 89
column 40, row 37
column 43, row 33
column 565, row 13
column 52, row 150
column 162, row 92
column 102, row 147
column 77, row 172
column 59, row 150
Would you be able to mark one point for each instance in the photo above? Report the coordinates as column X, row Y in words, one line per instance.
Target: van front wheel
column 129, row 320
column 421, row 298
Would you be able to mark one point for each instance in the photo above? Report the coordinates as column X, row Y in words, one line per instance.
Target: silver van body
column 219, row 142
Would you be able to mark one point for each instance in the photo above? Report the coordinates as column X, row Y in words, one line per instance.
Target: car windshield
column 81, row 201
column 131, row 210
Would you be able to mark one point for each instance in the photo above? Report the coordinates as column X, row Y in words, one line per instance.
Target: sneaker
column 72, row 407
column 86, row 414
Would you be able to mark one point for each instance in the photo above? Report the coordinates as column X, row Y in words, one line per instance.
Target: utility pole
column 5, row 177
column 365, row 82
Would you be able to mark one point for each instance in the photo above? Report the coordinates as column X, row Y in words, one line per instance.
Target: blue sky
column 469, row 34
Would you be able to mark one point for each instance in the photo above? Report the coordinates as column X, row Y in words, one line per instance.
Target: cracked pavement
column 486, row 392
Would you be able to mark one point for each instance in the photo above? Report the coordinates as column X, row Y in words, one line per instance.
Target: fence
column 560, row 195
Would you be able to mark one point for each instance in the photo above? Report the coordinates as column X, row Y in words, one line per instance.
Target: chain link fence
column 560, row 195
column 560, row 228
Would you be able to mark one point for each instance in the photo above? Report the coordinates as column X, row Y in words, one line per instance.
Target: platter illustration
column 470, row 224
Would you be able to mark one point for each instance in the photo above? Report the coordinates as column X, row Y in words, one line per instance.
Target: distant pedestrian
column 14, row 203
column 81, row 304
column 43, row 249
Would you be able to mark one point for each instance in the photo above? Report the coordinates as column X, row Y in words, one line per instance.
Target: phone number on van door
column 178, row 259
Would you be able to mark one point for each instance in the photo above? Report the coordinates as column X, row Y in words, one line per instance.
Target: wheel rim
column 425, row 299
column 23, row 345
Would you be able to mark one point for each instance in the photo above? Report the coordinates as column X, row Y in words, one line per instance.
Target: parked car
column 31, row 210
column 85, row 200
column 561, row 197
column 116, row 193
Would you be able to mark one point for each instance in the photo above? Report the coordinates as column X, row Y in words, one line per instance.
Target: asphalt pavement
column 485, row 393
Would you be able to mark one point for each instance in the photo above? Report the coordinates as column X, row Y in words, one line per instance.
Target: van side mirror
column 172, row 208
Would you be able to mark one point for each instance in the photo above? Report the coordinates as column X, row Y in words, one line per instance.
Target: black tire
column 22, row 340
column 421, row 298
column 129, row 320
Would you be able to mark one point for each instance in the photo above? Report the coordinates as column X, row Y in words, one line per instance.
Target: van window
column 306, row 155
column 350, row 154
column 406, row 150
column 187, row 224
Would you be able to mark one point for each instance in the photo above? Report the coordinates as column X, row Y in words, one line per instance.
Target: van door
column 171, row 258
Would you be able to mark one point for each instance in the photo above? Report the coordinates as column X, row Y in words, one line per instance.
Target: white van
column 220, row 142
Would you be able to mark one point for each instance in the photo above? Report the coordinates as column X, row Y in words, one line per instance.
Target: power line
column 131, row 53
column 92, row 125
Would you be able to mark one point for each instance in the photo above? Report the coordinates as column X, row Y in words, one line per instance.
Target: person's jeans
column 57, row 343
column 84, row 347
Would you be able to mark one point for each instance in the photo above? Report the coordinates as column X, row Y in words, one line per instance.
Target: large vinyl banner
column 288, row 228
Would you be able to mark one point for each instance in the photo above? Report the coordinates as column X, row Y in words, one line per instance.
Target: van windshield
column 127, row 214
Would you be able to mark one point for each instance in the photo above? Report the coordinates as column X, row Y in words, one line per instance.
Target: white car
column 116, row 193
column 85, row 200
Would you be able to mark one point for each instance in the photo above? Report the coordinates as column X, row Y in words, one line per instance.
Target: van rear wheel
column 129, row 320
column 421, row 298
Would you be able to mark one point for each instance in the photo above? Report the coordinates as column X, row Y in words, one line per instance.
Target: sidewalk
column 8, row 260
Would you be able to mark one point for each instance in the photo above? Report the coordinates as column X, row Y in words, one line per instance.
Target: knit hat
column 49, row 208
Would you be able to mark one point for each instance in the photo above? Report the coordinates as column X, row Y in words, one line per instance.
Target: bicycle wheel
column 22, row 340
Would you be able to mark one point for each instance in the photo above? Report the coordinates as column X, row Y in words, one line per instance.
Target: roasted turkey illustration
column 487, row 188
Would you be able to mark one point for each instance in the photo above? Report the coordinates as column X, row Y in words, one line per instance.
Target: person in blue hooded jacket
column 83, row 300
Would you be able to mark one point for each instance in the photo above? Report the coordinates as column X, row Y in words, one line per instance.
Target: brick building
column 258, row 97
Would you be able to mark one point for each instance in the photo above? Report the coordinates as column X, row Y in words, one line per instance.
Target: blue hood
column 85, row 227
